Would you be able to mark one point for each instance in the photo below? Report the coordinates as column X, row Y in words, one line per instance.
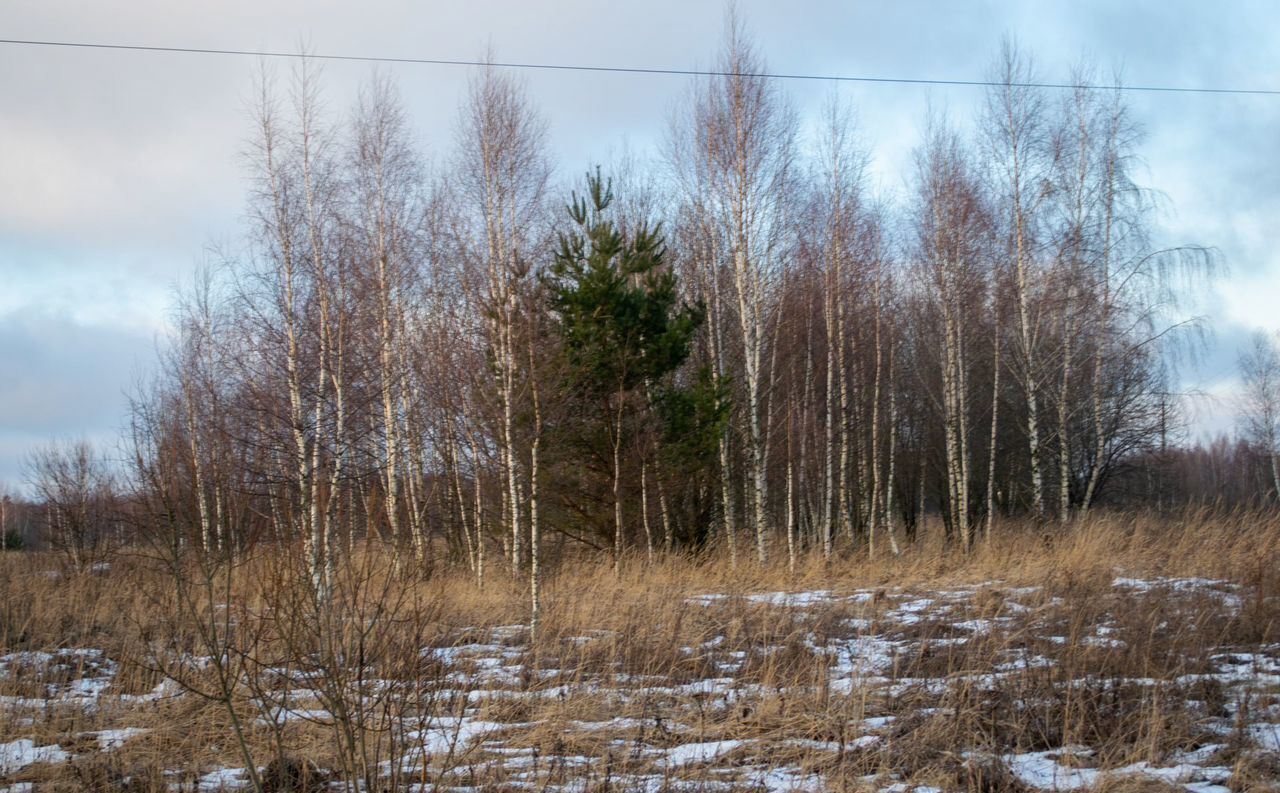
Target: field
column 1125, row 654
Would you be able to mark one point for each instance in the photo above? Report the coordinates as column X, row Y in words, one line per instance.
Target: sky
column 119, row 171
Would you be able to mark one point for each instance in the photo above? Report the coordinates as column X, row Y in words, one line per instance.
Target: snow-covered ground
column 887, row 690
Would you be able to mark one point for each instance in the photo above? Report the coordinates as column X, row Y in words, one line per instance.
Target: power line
column 1172, row 89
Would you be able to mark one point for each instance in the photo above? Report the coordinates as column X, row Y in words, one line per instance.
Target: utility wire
column 1172, row 89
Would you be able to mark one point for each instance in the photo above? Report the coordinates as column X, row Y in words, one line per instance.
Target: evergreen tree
column 623, row 333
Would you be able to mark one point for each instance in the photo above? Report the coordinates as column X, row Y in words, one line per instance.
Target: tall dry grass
column 626, row 653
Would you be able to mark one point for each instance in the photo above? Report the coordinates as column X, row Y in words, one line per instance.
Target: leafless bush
column 78, row 492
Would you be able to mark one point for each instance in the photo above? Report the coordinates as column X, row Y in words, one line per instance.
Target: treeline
column 738, row 343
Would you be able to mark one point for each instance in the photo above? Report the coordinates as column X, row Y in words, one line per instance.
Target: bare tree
column 1128, row 292
column 952, row 253
column 839, row 204
column 1260, row 400
column 387, row 181
column 1020, row 158
column 77, row 489
column 297, row 295
column 501, row 177
column 741, row 155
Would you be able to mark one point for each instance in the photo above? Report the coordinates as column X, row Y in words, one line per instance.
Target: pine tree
column 623, row 331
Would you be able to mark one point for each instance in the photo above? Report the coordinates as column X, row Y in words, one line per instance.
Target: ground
column 1141, row 682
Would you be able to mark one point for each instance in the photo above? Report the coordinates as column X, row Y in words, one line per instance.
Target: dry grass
column 939, row 669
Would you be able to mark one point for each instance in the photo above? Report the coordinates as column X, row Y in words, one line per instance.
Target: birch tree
column 1260, row 400
column 1020, row 159
column 839, row 199
column 501, row 175
column 387, row 180
column 744, row 137
column 292, row 299
column 951, row 250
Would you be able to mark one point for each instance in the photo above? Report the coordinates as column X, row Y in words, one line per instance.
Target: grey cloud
column 62, row 379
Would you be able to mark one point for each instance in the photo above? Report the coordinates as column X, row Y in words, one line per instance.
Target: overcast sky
column 117, row 169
